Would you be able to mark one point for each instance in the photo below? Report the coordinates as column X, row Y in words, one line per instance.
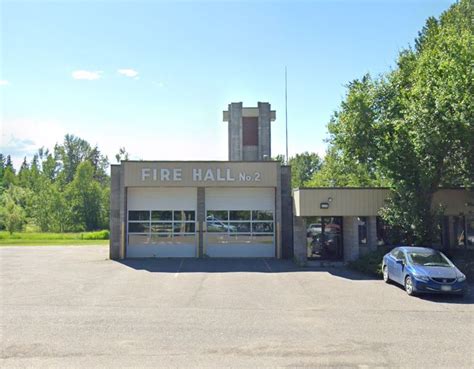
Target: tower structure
column 249, row 131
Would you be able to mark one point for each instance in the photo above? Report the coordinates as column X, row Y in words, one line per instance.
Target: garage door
column 161, row 222
column 240, row 222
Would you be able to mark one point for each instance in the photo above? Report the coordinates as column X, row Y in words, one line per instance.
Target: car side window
column 401, row 256
column 394, row 253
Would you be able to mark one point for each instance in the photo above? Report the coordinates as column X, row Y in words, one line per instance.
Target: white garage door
column 240, row 222
column 161, row 222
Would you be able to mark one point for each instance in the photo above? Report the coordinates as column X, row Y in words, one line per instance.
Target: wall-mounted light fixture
column 329, row 199
column 324, row 205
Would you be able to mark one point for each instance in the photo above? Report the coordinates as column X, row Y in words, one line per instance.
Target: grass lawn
column 52, row 242
column 38, row 238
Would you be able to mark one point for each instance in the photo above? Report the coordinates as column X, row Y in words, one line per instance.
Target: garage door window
column 139, row 227
column 240, row 222
column 161, row 226
column 162, row 215
column 138, row 215
column 184, row 215
column 262, row 227
column 262, row 215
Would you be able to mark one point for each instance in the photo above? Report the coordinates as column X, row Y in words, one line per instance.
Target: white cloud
column 23, row 137
column 128, row 72
column 4, row 82
column 86, row 74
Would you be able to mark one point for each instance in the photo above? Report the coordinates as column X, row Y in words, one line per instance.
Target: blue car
column 421, row 269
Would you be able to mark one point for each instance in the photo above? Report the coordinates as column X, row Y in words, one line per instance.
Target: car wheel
column 386, row 279
column 409, row 286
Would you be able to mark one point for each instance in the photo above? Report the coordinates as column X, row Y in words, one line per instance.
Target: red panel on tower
column 250, row 131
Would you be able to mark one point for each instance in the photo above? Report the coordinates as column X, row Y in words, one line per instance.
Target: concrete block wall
column 250, row 153
column 235, row 132
column 372, row 233
column 201, row 218
column 287, row 213
column 300, row 253
column 123, row 214
column 350, row 228
column 264, row 131
column 237, row 151
column 115, row 229
column 278, row 215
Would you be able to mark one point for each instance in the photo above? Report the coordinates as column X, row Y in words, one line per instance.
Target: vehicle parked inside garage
column 422, row 270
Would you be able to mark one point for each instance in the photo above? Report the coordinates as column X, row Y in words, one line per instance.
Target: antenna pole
column 286, row 114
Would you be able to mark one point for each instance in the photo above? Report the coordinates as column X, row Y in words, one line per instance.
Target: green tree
column 100, row 164
column 85, row 197
column 121, row 155
column 12, row 212
column 49, row 164
column 9, row 174
column 24, row 174
column 339, row 171
column 2, row 171
column 413, row 127
column 48, row 207
column 73, row 152
column 303, row 167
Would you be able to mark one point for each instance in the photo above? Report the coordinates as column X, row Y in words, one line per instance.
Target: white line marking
column 179, row 269
column 268, row 266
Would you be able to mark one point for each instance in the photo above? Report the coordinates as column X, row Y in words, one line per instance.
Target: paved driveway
column 71, row 307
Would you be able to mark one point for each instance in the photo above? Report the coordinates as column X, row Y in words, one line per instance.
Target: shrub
column 464, row 260
column 99, row 235
column 370, row 263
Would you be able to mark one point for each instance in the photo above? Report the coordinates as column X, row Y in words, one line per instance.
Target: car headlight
column 461, row 278
column 423, row 278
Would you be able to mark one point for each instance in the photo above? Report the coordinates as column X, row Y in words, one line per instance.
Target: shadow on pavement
column 235, row 265
column 256, row 265
column 468, row 297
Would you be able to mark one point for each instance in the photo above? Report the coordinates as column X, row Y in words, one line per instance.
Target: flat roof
column 373, row 188
column 248, row 113
column 367, row 201
column 198, row 161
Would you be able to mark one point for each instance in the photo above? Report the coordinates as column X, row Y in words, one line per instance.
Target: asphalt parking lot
column 71, row 307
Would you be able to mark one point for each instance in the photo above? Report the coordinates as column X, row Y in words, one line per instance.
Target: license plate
column 445, row 288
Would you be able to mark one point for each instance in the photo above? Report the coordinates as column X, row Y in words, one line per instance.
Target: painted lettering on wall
column 199, row 175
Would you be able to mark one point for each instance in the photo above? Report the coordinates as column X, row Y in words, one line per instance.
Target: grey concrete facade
column 235, row 132
column 123, row 215
column 350, row 238
column 118, row 213
column 115, row 232
column 278, row 215
column 300, row 253
column 201, row 219
column 250, row 153
column 286, row 213
column 264, row 131
column 372, row 233
column 237, row 150
column 120, row 177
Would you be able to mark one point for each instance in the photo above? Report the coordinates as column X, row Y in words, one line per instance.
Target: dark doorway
column 324, row 238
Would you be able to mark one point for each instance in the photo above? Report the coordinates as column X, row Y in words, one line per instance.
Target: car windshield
column 429, row 259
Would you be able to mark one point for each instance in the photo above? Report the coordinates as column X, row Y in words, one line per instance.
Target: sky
column 155, row 76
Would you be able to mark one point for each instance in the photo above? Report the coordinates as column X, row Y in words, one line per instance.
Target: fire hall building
column 245, row 207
